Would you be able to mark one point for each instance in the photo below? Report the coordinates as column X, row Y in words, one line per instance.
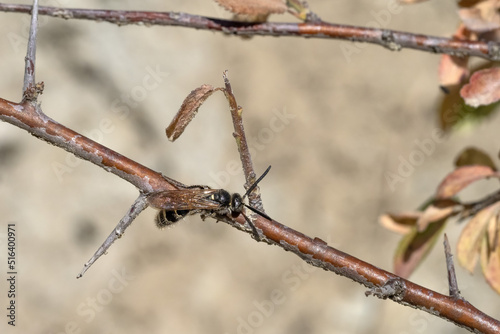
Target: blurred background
column 331, row 117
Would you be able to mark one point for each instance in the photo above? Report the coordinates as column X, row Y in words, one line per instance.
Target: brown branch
column 31, row 118
column 314, row 251
column 390, row 39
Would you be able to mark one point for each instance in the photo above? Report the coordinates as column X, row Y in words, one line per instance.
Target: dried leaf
column 188, row 110
column 472, row 235
column 453, row 71
column 492, row 270
column 461, row 178
column 481, row 16
column 414, row 247
column 399, row 222
column 490, row 256
column 483, row 87
column 474, row 156
column 454, row 112
column 254, row 7
column 434, row 213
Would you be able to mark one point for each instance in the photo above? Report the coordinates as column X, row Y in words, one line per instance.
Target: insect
column 176, row 204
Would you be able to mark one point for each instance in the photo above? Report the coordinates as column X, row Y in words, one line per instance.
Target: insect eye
column 236, row 202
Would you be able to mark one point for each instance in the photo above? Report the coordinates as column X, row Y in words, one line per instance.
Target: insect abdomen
column 165, row 218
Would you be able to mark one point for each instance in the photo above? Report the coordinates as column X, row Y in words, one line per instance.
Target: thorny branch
column 390, row 39
column 28, row 115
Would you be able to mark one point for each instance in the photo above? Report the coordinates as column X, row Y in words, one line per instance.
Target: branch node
column 394, row 288
column 494, row 51
column 32, row 92
column 389, row 41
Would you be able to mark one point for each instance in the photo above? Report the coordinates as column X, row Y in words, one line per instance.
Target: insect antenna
column 257, row 211
column 252, row 187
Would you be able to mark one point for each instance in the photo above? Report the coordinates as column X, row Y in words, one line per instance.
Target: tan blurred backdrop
column 330, row 124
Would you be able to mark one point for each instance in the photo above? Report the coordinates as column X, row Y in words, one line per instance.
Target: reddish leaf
column 483, row 88
column 472, row 236
column 461, row 178
column 474, row 156
column 399, row 222
column 414, row 247
column 188, row 110
column 453, row 70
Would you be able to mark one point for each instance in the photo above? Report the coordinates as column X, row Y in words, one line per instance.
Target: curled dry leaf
column 188, row 110
column 483, row 88
column 461, row 178
column 254, row 7
column 401, row 223
column 472, row 236
column 474, row 156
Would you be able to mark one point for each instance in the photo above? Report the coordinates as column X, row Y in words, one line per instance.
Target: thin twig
column 390, row 39
column 452, row 277
column 139, row 205
column 241, row 142
column 29, row 69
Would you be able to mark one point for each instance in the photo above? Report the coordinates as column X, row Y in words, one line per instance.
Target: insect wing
column 186, row 199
